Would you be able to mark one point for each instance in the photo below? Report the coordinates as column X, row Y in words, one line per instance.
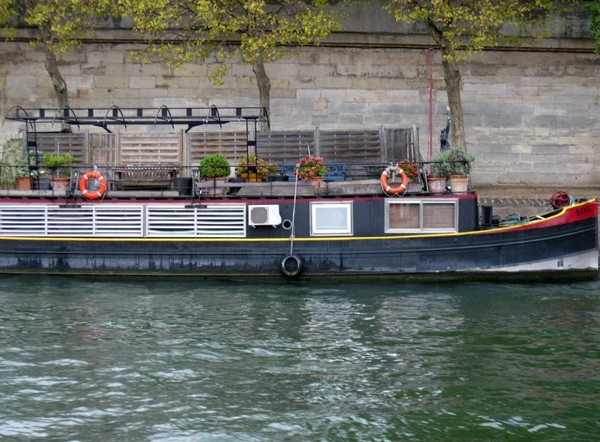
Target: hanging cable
column 293, row 228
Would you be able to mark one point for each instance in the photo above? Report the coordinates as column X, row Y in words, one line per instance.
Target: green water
column 196, row 361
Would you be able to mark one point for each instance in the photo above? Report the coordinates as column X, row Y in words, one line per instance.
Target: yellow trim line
column 304, row 239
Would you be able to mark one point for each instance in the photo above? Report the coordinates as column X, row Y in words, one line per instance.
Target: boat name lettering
column 583, row 210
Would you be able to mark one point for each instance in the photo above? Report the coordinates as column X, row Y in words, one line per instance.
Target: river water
column 86, row 360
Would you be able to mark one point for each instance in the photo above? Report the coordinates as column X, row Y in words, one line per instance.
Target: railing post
column 383, row 145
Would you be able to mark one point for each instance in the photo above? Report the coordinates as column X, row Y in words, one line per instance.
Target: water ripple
column 157, row 361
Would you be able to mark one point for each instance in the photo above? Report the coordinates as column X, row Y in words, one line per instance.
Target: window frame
column 347, row 230
column 422, row 203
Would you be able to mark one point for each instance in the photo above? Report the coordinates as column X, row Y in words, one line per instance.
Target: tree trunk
column 58, row 82
column 452, row 79
column 264, row 91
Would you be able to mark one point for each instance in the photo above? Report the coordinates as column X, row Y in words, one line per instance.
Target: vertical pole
column 430, row 102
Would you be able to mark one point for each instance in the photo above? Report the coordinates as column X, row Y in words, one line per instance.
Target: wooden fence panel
column 285, row 147
column 399, row 145
column 150, row 148
column 102, row 149
column 351, row 146
column 356, row 148
column 61, row 143
column 233, row 145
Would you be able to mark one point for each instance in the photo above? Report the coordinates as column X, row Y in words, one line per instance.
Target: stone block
column 315, row 72
column 21, row 85
column 352, row 120
column 505, row 120
column 173, row 83
column 194, row 70
column 367, row 96
column 111, row 81
column 142, row 82
column 334, row 95
column 80, row 82
column 365, row 83
column 278, row 84
column 348, row 108
column 368, row 70
column 282, row 93
column 554, row 150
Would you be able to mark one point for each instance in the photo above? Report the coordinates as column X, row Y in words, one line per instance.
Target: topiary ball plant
column 214, row 166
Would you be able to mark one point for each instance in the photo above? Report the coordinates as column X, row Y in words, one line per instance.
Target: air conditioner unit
column 267, row 215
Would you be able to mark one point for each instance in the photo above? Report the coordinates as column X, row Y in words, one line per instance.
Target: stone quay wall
column 532, row 116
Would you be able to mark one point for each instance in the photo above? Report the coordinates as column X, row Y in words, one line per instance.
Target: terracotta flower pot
column 24, row 183
column 437, row 185
column 250, row 177
column 316, row 182
column 214, row 190
column 459, row 183
column 60, row 185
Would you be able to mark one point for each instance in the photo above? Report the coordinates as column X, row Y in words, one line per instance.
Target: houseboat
column 164, row 217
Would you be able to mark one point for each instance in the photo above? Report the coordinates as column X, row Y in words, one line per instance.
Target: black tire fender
column 291, row 265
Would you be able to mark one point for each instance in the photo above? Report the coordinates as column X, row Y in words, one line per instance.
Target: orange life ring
column 400, row 190
column 92, row 194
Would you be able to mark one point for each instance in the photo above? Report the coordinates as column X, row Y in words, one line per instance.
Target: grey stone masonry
column 532, row 116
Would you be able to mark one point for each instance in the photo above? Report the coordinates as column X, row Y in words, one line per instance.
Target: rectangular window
column 414, row 216
column 331, row 219
column 404, row 216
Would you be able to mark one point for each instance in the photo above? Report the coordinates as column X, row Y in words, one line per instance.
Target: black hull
column 558, row 252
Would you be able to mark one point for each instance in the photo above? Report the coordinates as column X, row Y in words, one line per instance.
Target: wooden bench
column 133, row 176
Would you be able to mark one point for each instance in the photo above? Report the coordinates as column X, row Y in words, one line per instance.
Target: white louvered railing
column 123, row 220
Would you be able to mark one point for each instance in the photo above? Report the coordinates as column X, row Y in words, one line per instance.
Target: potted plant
column 410, row 169
column 60, row 165
column 454, row 164
column 311, row 169
column 16, row 164
column 252, row 168
column 217, row 168
column 25, row 172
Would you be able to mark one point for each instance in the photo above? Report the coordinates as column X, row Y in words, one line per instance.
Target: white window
column 436, row 215
column 331, row 219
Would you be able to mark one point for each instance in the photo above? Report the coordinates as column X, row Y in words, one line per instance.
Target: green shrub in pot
column 214, row 166
column 455, row 161
column 59, row 164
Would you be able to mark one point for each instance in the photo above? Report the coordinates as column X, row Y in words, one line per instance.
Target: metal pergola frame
column 117, row 116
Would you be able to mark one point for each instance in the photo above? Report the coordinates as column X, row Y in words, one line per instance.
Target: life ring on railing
column 99, row 186
column 400, row 190
column 291, row 265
